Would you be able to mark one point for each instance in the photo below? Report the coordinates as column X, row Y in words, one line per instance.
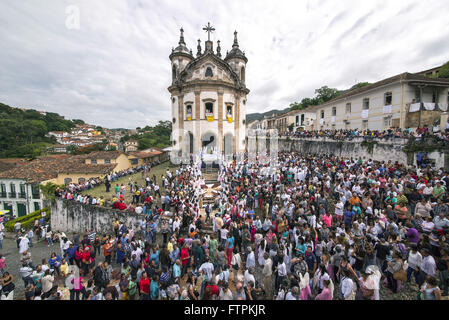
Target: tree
column 360, row 85
column 444, row 71
column 48, row 190
column 78, row 121
column 325, row 94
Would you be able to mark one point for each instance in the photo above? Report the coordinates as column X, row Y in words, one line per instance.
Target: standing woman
column 393, row 266
column 78, row 256
column 229, row 248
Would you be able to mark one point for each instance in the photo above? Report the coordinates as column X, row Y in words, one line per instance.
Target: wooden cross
column 208, row 29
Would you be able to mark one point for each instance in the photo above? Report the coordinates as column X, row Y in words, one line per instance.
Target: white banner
column 442, row 106
column 429, row 106
column 365, row 114
column 414, row 107
column 388, row 109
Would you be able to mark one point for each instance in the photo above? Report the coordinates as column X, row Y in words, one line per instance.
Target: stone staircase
column 210, row 175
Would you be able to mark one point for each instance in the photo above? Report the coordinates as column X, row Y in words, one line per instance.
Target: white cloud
column 114, row 71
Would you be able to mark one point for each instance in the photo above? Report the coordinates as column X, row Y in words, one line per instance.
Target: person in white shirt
column 428, row 265
column 207, row 268
column 293, row 294
column 282, row 272
column 414, row 263
column 347, row 287
column 339, row 210
column 251, row 259
column 249, row 277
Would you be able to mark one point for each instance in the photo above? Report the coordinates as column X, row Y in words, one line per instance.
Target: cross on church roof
column 208, row 29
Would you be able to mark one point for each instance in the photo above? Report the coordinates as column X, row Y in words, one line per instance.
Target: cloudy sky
column 114, row 69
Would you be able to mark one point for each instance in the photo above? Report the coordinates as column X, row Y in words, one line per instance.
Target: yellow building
column 118, row 158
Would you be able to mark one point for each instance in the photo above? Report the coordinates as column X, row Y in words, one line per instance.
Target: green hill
column 22, row 133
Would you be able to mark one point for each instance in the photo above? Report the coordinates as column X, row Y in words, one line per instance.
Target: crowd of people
column 312, row 227
column 387, row 135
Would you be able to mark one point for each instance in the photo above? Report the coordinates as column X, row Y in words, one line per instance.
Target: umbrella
column 2, row 212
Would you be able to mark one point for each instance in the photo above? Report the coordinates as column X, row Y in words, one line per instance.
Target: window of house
column 3, row 190
column 366, row 104
column 387, row 122
column 388, row 97
column 348, row 108
column 209, row 108
column 134, row 161
column 81, row 180
column 334, row 111
column 209, row 72
column 13, row 190
column 434, row 97
column 93, row 161
column 107, row 161
column 302, row 119
column 67, row 181
column 22, row 189
column 322, row 114
column 189, row 110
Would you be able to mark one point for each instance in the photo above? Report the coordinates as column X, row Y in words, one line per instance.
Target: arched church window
column 242, row 74
column 174, row 120
column 209, row 72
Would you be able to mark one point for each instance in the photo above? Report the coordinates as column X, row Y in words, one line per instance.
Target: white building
column 208, row 98
column 385, row 104
column 19, row 196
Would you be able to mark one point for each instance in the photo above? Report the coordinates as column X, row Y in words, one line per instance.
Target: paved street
column 10, row 251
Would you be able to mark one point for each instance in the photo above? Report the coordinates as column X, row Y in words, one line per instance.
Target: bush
column 28, row 220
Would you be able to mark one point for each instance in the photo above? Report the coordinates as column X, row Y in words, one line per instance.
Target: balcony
column 2, row 194
column 36, row 196
column 12, row 195
column 22, row 195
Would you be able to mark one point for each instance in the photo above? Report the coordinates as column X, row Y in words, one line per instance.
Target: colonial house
column 118, row 158
column 57, row 148
column 404, row 101
column 303, row 120
column 131, row 145
column 19, row 186
column 147, row 156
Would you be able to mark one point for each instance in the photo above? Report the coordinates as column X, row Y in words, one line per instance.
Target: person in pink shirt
column 2, row 263
column 327, row 219
column 326, row 293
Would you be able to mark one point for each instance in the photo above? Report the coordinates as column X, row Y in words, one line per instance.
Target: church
column 208, row 97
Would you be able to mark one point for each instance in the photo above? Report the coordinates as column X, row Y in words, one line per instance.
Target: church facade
column 208, row 98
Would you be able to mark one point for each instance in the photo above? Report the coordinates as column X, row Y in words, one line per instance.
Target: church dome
column 236, row 52
column 182, row 48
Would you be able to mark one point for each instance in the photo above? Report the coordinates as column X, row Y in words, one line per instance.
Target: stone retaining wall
column 71, row 216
